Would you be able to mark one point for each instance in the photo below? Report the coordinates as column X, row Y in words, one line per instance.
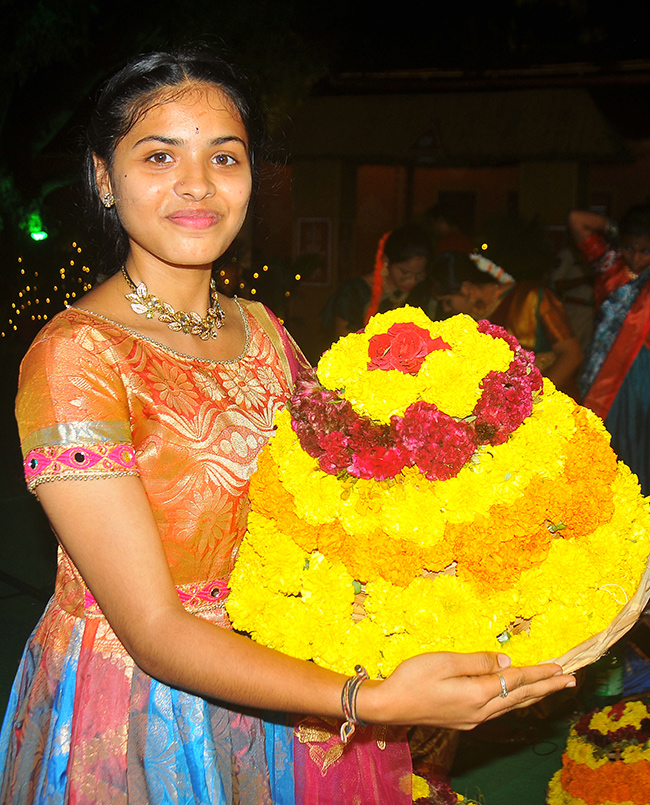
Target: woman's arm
column 583, row 223
column 568, row 357
column 107, row 527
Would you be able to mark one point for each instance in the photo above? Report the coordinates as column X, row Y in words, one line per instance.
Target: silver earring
column 108, row 199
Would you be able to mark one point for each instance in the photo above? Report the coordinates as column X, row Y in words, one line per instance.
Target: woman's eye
column 224, row 159
column 161, row 158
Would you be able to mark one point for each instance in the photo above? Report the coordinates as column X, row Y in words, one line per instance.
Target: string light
column 43, row 302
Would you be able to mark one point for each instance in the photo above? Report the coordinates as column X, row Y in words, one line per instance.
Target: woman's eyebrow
column 160, row 138
column 179, row 141
column 228, row 139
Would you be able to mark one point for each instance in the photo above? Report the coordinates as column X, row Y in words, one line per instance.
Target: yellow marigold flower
column 633, row 714
column 382, row 394
column 420, row 787
column 542, row 539
column 634, row 754
column 583, row 753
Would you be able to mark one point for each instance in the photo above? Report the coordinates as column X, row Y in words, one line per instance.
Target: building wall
column 365, row 201
column 622, row 186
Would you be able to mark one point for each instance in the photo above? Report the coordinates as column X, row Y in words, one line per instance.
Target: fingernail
column 504, row 661
column 571, row 683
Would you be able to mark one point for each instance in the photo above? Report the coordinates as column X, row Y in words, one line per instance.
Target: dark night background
column 56, row 53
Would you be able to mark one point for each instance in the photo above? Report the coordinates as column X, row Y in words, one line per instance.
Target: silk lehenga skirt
column 85, row 725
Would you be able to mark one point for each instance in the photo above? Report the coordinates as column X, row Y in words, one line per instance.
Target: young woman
column 133, row 688
column 399, row 278
column 614, row 381
column 528, row 310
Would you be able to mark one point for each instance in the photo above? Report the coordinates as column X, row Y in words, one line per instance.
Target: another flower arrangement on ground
column 436, row 792
column 607, row 759
column 426, row 490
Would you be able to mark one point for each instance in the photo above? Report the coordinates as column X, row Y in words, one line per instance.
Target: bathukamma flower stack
column 427, row 490
column 607, row 759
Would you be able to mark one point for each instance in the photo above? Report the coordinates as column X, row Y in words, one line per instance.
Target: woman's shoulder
column 74, row 324
column 251, row 306
column 262, row 315
column 71, row 338
column 290, row 354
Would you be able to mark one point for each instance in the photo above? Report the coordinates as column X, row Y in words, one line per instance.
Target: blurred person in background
column 615, row 382
column 400, row 277
column 528, row 310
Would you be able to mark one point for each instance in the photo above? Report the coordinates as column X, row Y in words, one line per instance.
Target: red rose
column 404, row 347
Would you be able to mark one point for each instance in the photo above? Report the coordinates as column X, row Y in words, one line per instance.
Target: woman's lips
column 195, row 219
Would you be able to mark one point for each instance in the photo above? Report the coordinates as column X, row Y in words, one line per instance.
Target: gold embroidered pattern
column 317, row 731
column 322, row 735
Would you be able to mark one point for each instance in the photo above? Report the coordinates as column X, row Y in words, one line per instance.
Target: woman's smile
column 195, row 218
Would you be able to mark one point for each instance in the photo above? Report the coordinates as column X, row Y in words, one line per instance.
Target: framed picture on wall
column 314, row 248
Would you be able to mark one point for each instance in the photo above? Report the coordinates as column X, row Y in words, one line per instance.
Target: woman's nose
column 195, row 182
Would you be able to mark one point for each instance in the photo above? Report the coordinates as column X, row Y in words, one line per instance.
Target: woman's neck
column 183, row 287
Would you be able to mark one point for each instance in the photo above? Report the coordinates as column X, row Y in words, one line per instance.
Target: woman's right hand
column 456, row 691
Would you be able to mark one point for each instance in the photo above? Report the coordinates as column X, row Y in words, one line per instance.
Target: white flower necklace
column 145, row 304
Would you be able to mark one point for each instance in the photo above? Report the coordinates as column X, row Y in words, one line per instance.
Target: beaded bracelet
column 349, row 703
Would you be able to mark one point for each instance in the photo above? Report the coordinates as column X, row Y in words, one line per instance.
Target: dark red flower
column 378, row 462
column 404, row 347
column 334, row 455
column 438, row 444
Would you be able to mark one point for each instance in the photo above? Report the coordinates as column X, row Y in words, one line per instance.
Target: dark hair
column 407, row 242
column 127, row 96
column 635, row 222
column 451, row 269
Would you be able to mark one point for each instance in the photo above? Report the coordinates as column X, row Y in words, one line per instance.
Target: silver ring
column 504, row 689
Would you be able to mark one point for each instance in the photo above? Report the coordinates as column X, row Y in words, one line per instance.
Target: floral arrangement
column 607, row 759
column 427, row 490
column 435, row 792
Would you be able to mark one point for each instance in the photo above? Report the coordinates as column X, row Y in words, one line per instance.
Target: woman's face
column 407, row 274
column 463, row 301
column 635, row 251
column 181, row 178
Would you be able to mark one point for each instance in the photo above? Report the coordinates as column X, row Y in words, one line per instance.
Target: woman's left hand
column 457, row 691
